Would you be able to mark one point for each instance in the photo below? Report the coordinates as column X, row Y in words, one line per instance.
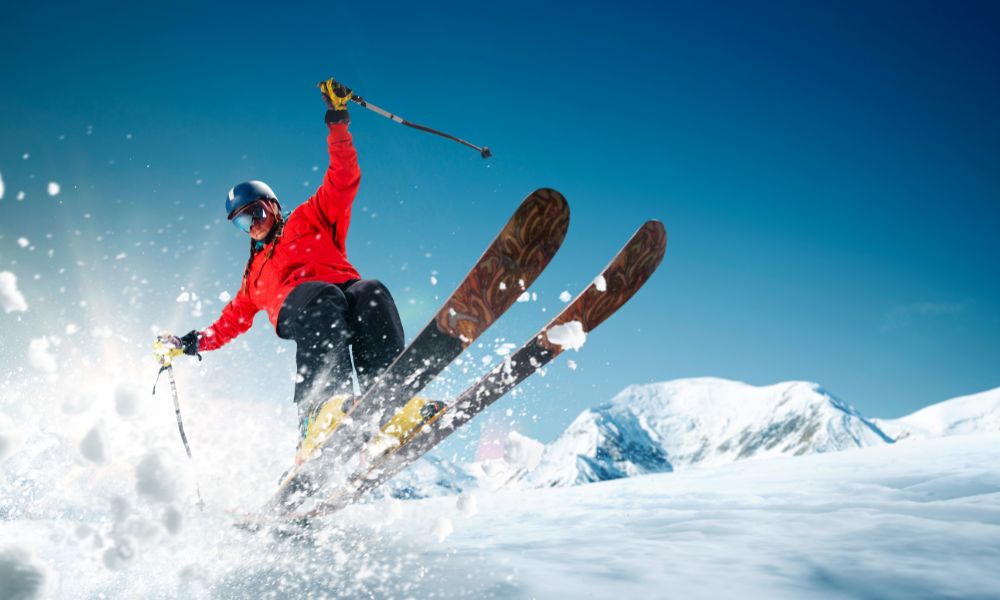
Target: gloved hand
column 167, row 346
column 336, row 95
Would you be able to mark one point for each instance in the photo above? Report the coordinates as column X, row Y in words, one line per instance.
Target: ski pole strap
column 483, row 150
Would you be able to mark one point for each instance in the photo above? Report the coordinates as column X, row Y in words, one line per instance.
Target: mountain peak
column 677, row 424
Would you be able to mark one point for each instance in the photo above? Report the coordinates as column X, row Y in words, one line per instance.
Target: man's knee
column 369, row 290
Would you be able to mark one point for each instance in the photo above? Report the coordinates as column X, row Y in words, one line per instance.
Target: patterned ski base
column 511, row 263
column 628, row 272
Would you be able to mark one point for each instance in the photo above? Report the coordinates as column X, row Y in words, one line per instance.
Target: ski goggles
column 246, row 218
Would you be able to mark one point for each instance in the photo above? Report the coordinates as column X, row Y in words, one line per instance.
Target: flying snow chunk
column 126, row 402
column 39, row 355
column 120, row 555
column 154, row 481
column 568, row 335
column 23, row 242
column 173, row 520
column 434, row 280
column 94, row 445
column 184, row 297
column 525, row 297
column 600, row 283
column 53, row 188
column 22, row 576
column 6, row 445
column 505, row 348
column 224, row 297
column 20, row 196
column 522, row 451
column 1, row 186
column 565, row 296
column 571, row 364
column 467, row 504
column 442, row 529
column 10, row 298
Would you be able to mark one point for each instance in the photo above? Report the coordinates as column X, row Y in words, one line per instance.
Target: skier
column 299, row 273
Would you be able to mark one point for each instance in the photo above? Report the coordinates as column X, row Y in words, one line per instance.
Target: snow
column 1, row 186
column 565, row 296
column 126, row 402
column 965, row 414
column 467, row 505
column 678, row 424
column 94, row 445
column 22, row 576
column 522, row 452
column 11, row 299
column 600, row 283
column 916, row 520
column 155, row 480
column 570, row 336
column 919, row 520
column 23, row 242
column 6, row 445
column 524, row 297
column 875, row 519
column 53, row 188
column 442, row 528
column 40, row 356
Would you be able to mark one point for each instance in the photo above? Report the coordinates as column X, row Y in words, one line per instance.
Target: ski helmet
column 247, row 193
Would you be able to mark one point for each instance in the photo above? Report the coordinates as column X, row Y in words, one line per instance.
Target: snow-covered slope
column 918, row 520
column 976, row 413
column 705, row 421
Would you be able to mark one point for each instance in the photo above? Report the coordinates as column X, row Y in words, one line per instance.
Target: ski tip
column 656, row 227
column 549, row 201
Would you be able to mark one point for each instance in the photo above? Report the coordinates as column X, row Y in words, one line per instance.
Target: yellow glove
column 166, row 348
column 336, row 96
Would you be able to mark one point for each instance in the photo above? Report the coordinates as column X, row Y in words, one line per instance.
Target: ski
column 627, row 272
column 509, row 265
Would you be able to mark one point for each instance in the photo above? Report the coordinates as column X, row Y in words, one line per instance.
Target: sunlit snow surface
column 916, row 520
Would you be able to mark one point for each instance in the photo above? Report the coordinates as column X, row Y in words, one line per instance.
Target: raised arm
column 343, row 176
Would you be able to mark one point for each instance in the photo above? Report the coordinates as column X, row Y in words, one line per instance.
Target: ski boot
column 403, row 425
column 321, row 424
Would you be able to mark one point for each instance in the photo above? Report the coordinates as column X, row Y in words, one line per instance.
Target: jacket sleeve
column 237, row 317
column 334, row 197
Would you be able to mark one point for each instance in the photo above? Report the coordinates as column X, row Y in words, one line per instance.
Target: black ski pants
column 329, row 321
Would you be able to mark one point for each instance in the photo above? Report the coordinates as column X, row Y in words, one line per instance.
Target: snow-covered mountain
column 976, row 413
column 662, row 427
column 706, row 421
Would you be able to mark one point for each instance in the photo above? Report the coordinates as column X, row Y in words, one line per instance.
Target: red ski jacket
column 310, row 248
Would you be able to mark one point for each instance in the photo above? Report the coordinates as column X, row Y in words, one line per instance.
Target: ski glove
column 336, row 95
column 167, row 346
column 189, row 343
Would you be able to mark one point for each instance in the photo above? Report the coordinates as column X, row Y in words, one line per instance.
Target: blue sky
column 828, row 175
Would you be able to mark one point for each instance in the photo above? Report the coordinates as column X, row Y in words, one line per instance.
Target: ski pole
column 483, row 150
column 166, row 365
